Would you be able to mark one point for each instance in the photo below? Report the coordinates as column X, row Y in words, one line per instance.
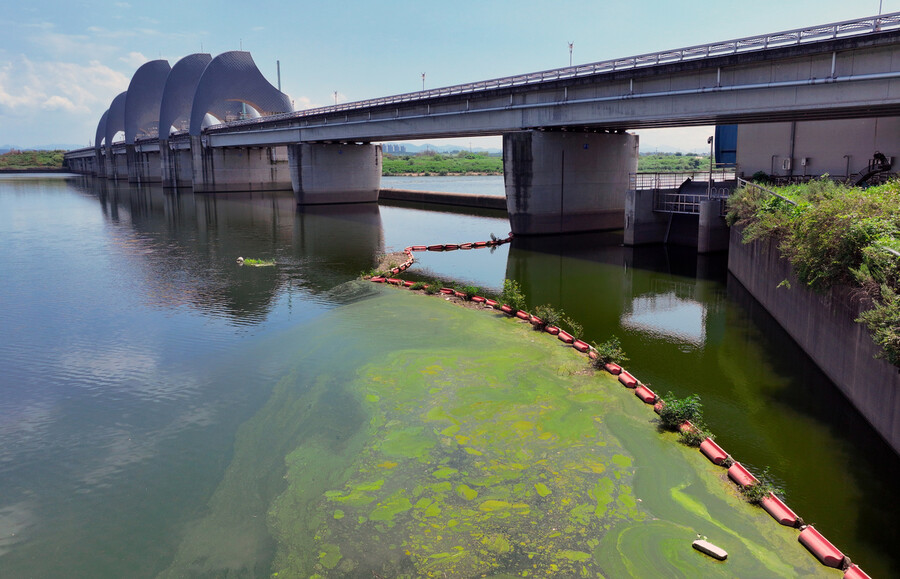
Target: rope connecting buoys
column 818, row 545
column 779, row 511
column 713, row 451
column 741, row 476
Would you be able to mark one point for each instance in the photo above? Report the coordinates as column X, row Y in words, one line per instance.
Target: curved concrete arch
column 142, row 103
column 101, row 130
column 115, row 120
column 178, row 94
column 232, row 77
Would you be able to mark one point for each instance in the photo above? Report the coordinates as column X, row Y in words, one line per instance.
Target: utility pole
column 335, row 98
column 423, row 82
column 278, row 68
column 571, row 46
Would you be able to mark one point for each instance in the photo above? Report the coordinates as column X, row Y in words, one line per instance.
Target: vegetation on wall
column 835, row 235
column 31, row 160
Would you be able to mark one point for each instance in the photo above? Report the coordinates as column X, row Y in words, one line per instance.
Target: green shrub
column 512, row 295
column 676, row 411
column 471, row 291
column 609, row 352
column 755, row 493
column 549, row 316
column 434, row 287
column 417, row 285
column 573, row 327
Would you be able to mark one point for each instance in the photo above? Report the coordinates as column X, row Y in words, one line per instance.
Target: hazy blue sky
column 62, row 61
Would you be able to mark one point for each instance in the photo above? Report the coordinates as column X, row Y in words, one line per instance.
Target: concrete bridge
column 215, row 124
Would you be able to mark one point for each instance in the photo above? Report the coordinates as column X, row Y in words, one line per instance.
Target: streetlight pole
column 571, row 45
column 423, row 82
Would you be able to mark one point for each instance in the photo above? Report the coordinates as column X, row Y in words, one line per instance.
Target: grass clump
column 676, row 411
column 512, row 294
column 609, row 352
column 755, row 493
column 419, row 285
column 835, row 235
column 548, row 316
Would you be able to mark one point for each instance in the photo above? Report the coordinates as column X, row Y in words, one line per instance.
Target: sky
column 63, row 61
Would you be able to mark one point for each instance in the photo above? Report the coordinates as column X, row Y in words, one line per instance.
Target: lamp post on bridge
column 423, row 82
column 571, row 46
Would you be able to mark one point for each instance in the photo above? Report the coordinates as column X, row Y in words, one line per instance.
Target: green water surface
column 413, row 438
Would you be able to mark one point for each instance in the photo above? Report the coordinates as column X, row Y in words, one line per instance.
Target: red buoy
column 465, row 246
column 507, row 310
column 409, row 283
column 480, row 243
column 523, row 315
column 565, row 337
column 459, row 294
column 740, row 475
column 658, row 406
column 450, row 246
column 552, row 330
column 478, row 299
column 713, row 451
column 580, row 346
column 394, row 280
column 627, row 380
column 593, row 355
column 492, row 303
column 613, row 369
column 378, row 279
column 779, row 511
column 819, row 546
column 435, row 248
column 448, row 291
column 645, row 394
column 854, row 572
column 419, row 248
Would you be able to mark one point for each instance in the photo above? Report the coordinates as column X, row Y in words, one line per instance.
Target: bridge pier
column 222, row 169
column 324, row 173
column 564, row 182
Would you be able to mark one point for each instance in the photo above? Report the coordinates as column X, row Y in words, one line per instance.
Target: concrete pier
column 335, row 173
column 238, row 169
column 564, row 182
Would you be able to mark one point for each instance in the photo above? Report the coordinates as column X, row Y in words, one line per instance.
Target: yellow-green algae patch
column 425, row 384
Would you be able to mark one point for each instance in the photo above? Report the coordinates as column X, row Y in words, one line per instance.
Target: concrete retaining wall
column 823, row 325
column 460, row 199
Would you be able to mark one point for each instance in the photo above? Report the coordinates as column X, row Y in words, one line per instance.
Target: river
column 135, row 350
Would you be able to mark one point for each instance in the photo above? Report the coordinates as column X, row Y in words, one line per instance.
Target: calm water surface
column 134, row 348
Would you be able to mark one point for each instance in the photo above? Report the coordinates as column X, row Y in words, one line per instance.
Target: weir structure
column 568, row 155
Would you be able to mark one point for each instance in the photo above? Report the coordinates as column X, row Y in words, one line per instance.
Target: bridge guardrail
column 859, row 26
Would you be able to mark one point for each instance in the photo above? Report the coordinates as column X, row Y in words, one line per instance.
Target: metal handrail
column 867, row 25
column 742, row 182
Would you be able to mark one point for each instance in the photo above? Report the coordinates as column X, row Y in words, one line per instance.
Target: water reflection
column 665, row 315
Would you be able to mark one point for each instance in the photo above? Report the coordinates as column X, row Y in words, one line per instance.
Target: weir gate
column 216, row 124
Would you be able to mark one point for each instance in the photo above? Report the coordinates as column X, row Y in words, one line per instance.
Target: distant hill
column 400, row 148
column 51, row 147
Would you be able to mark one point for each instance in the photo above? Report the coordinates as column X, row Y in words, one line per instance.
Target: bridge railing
column 859, row 26
column 673, row 180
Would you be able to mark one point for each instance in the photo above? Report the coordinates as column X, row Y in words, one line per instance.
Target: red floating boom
column 713, row 451
column 779, row 511
column 741, row 475
column 819, row 546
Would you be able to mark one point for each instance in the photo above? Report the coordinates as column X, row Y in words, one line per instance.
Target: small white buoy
column 709, row 549
column 240, row 261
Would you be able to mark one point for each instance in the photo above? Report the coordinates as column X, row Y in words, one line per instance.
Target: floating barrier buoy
column 779, row 511
column 394, row 281
column 419, row 247
column 492, row 303
column 740, row 475
column 450, row 246
column 854, row 572
column 507, row 310
column 658, row 406
column 687, row 426
column 523, row 315
column 552, row 330
column 581, row 346
column 613, row 369
column 459, row 294
column 438, row 247
column 465, row 246
column 708, row 548
column 480, row 244
column 478, row 299
column 819, row 546
column 713, row 451
column 535, row 320
column 565, row 337
column 448, row 291
column 593, row 355
column 627, row 380
column 645, row 394
column 378, row 279
column 409, row 283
